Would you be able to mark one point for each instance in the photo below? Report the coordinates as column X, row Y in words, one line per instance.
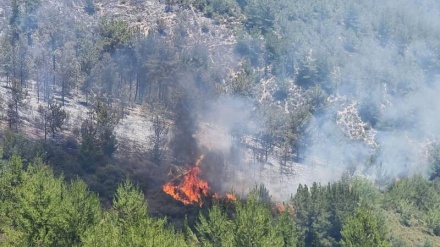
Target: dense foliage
column 41, row 209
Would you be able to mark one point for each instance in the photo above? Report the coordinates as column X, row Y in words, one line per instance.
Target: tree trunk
column 53, row 69
column 130, row 90
column 45, row 125
column 37, row 80
column 62, row 91
column 14, row 51
column 16, row 115
column 136, row 96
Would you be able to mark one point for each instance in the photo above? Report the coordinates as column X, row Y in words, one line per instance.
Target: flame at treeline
column 189, row 188
column 231, row 197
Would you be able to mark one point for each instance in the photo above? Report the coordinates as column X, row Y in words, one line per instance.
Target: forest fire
column 189, row 188
column 231, row 197
column 281, row 208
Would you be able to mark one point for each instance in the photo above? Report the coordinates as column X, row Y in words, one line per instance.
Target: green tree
column 246, row 223
column 260, row 16
column 313, row 216
column 363, row 229
column 89, row 152
column 128, row 224
column 215, row 229
column 10, row 177
column 417, row 191
column 129, row 203
column 321, row 211
column 38, row 209
column 53, row 118
column 434, row 159
column 106, row 121
column 17, row 100
column 114, row 34
column 82, row 210
column 98, row 140
column 38, row 218
column 158, row 137
column 433, row 219
column 255, row 225
column 90, row 7
column 286, row 227
column 17, row 144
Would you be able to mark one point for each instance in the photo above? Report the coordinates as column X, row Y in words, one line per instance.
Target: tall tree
column 98, row 140
column 68, row 69
column 129, row 224
column 18, row 95
column 363, row 229
column 250, row 223
column 53, row 118
column 158, row 137
column 40, row 210
column 11, row 176
column 321, row 210
column 215, row 229
column 38, row 217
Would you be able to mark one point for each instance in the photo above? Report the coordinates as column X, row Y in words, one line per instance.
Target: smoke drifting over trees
column 338, row 87
column 381, row 60
column 287, row 94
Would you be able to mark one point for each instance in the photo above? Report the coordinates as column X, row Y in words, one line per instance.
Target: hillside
column 233, row 94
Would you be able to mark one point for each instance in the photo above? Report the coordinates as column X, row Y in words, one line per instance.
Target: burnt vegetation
column 103, row 102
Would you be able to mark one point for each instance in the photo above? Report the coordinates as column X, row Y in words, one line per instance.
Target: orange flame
column 216, row 196
column 231, row 197
column 190, row 189
column 280, row 207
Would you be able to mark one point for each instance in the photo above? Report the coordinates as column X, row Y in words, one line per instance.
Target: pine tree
column 363, row 230
column 128, row 224
column 53, row 118
column 321, row 210
column 255, row 225
column 215, row 229
column 38, row 217
column 82, row 209
column 39, row 209
column 10, row 177
column 286, row 227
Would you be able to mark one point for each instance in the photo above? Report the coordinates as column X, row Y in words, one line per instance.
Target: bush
column 218, row 7
column 434, row 160
column 433, row 220
column 13, row 143
column 90, row 7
